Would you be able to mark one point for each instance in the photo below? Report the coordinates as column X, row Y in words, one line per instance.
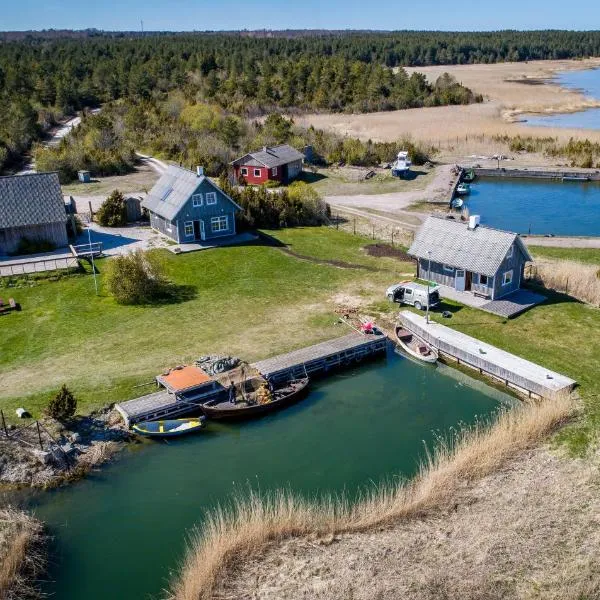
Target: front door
column 459, row 280
column 199, row 230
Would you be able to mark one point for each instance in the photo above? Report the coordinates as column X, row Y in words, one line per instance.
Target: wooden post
column 567, row 287
column 354, row 225
column 392, row 238
column 39, row 435
column 3, row 423
column 373, row 231
column 337, row 222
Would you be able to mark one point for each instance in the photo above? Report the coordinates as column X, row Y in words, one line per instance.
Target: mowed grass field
column 249, row 301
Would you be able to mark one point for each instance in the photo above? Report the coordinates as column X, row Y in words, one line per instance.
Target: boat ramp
column 525, row 377
column 180, row 396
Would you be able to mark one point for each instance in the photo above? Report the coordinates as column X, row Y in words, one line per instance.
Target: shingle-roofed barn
column 31, row 207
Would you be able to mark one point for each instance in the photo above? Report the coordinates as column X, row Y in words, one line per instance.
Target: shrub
column 113, row 212
column 136, row 278
column 63, row 406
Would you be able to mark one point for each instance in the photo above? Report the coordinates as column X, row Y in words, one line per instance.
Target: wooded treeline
column 248, row 73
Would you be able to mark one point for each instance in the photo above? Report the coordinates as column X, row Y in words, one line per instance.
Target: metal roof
column 270, row 156
column 480, row 250
column 174, row 189
column 32, row 199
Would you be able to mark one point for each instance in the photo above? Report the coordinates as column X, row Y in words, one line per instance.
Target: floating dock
column 523, row 376
column 313, row 361
column 321, row 358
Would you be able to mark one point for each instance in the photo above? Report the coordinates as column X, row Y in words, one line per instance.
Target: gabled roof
column 174, row 189
column 270, row 156
column 33, row 199
column 480, row 250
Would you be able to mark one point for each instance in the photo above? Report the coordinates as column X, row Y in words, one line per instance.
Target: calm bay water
column 119, row 533
column 537, row 206
column 588, row 82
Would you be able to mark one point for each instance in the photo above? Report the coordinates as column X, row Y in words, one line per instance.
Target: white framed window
column 449, row 268
column 219, row 224
column 168, row 226
column 244, row 171
column 211, row 198
column 483, row 279
column 274, row 171
column 197, row 200
column 257, row 172
column 510, row 252
column 507, row 277
column 188, row 228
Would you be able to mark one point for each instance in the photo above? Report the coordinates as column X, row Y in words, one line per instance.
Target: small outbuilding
column 31, row 208
column 273, row 163
column 187, row 206
column 470, row 257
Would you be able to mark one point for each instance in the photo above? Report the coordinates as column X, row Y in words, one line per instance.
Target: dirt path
column 564, row 242
column 394, row 205
column 511, row 536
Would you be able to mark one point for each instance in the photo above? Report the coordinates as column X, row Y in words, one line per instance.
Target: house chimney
column 199, row 171
column 474, row 221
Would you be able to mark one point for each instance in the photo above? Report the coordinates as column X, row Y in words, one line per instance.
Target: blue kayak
column 169, row 428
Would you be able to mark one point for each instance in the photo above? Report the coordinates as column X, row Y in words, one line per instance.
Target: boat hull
column 169, row 428
column 226, row 411
column 407, row 346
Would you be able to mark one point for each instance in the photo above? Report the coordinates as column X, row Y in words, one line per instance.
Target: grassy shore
column 250, row 301
column 230, row 538
column 583, row 255
column 21, row 555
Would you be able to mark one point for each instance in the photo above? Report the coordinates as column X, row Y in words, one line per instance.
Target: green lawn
column 250, row 301
column 583, row 255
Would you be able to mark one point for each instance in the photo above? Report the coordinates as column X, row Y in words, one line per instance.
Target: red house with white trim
column 273, row 163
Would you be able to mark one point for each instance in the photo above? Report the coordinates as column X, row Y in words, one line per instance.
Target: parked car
column 414, row 294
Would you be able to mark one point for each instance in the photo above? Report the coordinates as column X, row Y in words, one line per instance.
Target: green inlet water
column 121, row 532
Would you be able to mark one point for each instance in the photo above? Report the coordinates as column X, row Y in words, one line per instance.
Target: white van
column 414, row 294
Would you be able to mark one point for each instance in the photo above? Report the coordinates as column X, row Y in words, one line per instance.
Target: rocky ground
column 66, row 451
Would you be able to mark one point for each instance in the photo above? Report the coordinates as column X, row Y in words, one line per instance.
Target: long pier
column 571, row 175
column 525, row 377
column 316, row 360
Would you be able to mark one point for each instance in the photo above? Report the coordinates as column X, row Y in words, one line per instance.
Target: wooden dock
column 525, row 377
column 570, row 175
column 313, row 360
column 321, row 358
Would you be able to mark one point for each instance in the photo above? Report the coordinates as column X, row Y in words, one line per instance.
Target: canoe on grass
column 169, row 428
column 256, row 404
column 415, row 346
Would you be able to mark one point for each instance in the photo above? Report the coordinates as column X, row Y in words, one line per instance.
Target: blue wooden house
column 187, row 207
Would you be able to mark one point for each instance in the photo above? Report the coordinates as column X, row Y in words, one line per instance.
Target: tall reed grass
column 581, row 281
column 21, row 555
column 255, row 521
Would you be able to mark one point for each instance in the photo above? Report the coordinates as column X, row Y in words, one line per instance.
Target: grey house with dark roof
column 470, row 257
column 187, row 207
column 273, row 163
column 31, row 207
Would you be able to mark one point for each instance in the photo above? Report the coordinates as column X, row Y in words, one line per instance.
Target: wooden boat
column 457, row 202
column 169, row 428
column 415, row 346
column 259, row 401
column 462, row 189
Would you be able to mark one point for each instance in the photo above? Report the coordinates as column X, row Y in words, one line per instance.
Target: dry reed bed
column 576, row 279
column 255, row 522
column 21, row 555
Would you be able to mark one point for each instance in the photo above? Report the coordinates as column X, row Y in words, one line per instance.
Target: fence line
column 38, row 266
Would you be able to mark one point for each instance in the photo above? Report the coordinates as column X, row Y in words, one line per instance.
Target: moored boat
column 258, row 402
column 457, row 202
column 462, row 189
column 468, row 176
column 169, row 427
column 416, row 346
